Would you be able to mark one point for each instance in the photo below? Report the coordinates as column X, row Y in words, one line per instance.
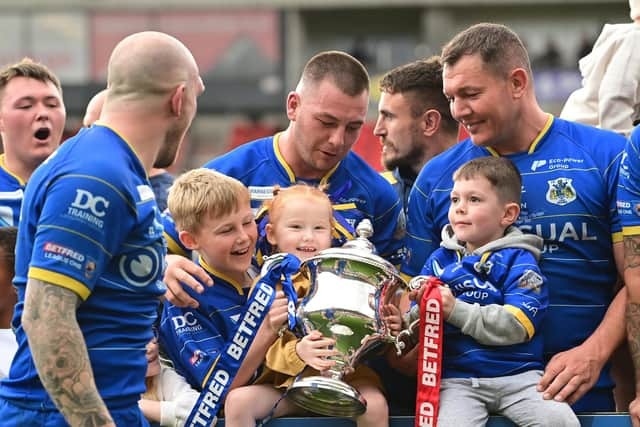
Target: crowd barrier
column 591, row 420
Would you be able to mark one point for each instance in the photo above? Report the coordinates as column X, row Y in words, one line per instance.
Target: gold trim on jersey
column 542, row 133
column 172, row 246
column 3, row 165
column 535, row 142
column 287, row 168
column 388, row 175
column 239, row 288
column 522, row 318
column 61, row 280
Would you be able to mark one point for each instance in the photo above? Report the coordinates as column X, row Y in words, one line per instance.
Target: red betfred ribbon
column 429, row 354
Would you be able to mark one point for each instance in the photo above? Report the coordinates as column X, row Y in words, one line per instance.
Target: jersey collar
column 212, row 271
column 6, row 169
column 133, row 151
column 292, row 177
column 534, row 144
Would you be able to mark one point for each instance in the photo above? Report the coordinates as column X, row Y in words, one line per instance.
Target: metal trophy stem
column 349, row 285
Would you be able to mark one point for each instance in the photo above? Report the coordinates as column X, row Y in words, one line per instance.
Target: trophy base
column 326, row 396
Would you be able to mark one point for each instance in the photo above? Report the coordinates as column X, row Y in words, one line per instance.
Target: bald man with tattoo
column 90, row 251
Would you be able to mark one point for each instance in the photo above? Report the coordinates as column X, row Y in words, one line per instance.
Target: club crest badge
column 530, row 280
column 561, row 191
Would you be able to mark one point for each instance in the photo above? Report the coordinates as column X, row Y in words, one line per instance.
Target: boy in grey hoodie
column 493, row 301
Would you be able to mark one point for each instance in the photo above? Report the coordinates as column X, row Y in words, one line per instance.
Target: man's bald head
column 148, row 64
column 94, row 108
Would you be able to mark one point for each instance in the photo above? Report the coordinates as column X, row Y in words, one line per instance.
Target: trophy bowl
column 349, row 286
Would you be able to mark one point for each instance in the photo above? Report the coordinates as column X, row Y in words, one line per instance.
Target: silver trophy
column 349, row 286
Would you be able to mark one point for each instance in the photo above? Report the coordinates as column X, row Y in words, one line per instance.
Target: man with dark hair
column 32, row 117
column 326, row 112
column 414, row 122
column 569, row 174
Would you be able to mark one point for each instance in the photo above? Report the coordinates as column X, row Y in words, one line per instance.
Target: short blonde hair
column 204, row 193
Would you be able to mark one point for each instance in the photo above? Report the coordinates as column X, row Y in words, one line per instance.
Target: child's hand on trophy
column 277, row 316
column 314, row 350
column 392, row 318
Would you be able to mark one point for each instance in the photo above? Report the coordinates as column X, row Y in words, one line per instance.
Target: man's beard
column 169, row 151
column 407, row 161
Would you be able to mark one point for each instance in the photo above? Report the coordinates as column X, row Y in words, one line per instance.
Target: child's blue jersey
column 90, row 224
column 356, row 190
column 508, row 277
column 194, row 338
column 629, row 186
column 11, row 193
column 569, row 180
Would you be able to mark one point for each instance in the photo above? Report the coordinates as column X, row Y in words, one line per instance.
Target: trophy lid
column 359, row 249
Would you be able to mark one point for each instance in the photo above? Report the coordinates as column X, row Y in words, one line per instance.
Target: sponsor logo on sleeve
column 197, row 357
column 63, row 254
column 88, row 208
column 145, row 192
column 89, row 269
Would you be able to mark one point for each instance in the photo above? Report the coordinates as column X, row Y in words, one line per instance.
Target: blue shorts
column 20, row 414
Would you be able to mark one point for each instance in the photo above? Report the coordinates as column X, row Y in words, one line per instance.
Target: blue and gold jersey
column 569, row 179
column 11, row 194
column 90, row 224
column 509, row 277
column 629, row 186
column 356, row 190
column 195, row 337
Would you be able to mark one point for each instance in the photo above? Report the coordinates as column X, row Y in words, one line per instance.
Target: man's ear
column 177, row 99
column 293, row 103
column 511, row 213
column 271, row 238
column 189, row 240
column 518, row 82
column 431, row 120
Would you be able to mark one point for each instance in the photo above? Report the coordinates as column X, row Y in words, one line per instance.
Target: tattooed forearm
column 633, row 334
column 60, row 354
column 631, row 251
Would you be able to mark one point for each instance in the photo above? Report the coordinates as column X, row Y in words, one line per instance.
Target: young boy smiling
column 213, row 216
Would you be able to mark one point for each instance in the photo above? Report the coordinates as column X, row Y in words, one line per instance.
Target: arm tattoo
column 631, row 251
column 633, row 335
column 60, row 353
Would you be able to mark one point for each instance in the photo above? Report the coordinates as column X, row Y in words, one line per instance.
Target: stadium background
column 251, row 52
